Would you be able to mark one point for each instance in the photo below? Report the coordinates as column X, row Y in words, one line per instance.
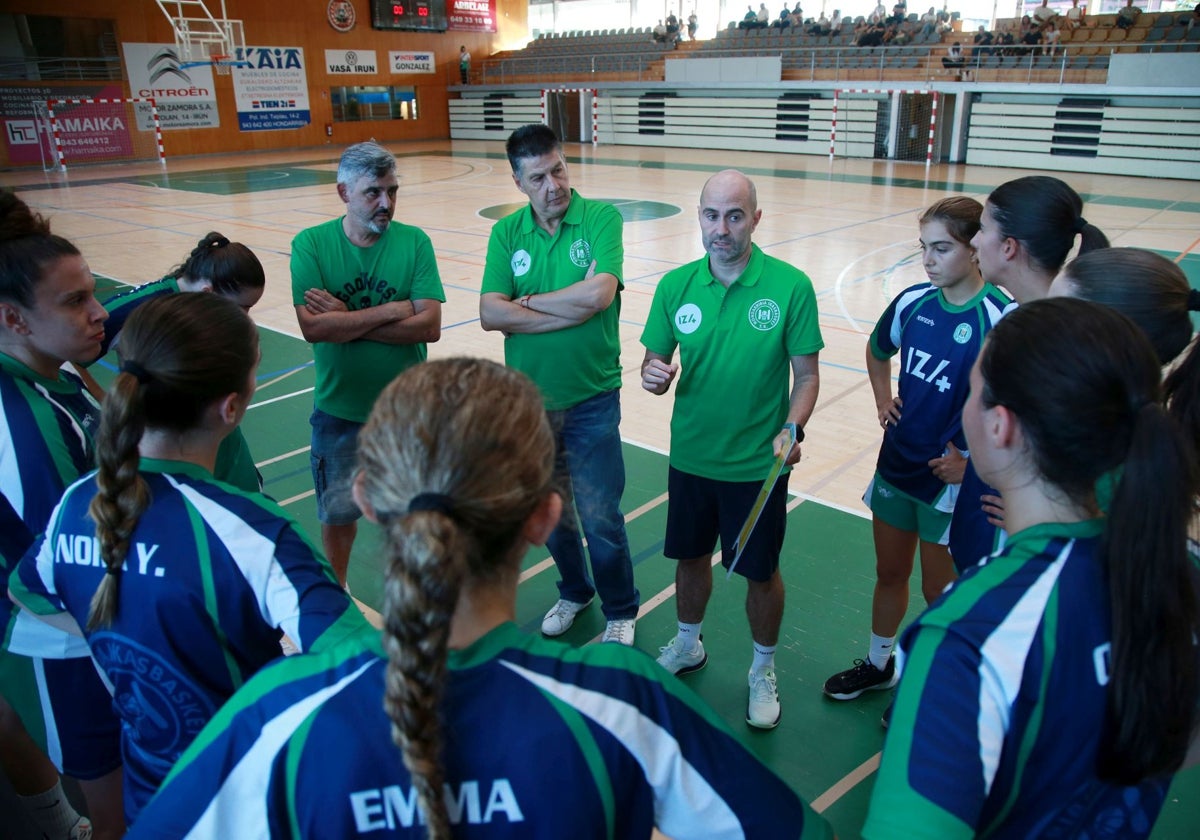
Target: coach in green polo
column 552, row 285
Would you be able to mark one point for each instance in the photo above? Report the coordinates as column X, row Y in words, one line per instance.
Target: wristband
column 795, row 427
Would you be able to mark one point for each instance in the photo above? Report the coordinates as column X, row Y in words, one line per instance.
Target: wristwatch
column 799, row 431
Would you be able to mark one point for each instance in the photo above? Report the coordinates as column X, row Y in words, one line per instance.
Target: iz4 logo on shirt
column 918, row 364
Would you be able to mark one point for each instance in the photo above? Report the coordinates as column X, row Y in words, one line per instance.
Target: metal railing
column 19, row 68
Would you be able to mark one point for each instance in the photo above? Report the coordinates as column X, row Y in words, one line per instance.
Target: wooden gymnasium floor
column 851, row 225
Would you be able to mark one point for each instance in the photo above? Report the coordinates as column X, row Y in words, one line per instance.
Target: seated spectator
column 673, row 27
column 954, row 57
column 1051, row 37
column 1194, row 20
column 784, row 20
column 943, row 22
column 660, row 33
column 872, row 36
column 749, row 20
column 1031, row 38
column 1043, row 14
column 878, row 15
column 1074, row 17
column 929, row 21
column 835, row 23
column 763, row 18
column 899, row 12
column 983, row 42
column 461, row 691
column 901, row 38
column 1007, row 42
column 1128, row 15
column 821, row 27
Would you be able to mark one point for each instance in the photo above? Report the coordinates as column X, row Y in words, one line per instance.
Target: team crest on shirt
column 581, row 253
column 687, row 318
column 162, row 707
column 764, row 315
column 521, row 262
column 962, row 333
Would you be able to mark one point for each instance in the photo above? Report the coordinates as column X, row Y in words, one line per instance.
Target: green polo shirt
column 399, row 266
column 579, row 362
column 735, row 349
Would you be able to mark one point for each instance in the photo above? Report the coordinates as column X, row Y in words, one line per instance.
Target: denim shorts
column 334, row 459
column 701, row 510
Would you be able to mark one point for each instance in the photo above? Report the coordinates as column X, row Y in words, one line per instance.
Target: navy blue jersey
column 937, row 343
column 999, row 716
column 972, row 537
column 211, row 578
column 541, row 741
column 125, row 304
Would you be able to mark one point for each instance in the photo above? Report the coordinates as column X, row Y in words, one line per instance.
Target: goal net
column 884, row 123
column 79, row 131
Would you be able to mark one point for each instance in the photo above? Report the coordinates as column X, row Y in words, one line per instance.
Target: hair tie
column 115, row 571
column 1080, row 224
column 432, row 501
column 218, row 241
column 1193, row 303
column 136, row 371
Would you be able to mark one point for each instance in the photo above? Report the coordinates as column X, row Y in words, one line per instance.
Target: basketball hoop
column 222, row 64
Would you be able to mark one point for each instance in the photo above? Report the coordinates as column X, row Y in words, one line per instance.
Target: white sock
column 52, row 811
column 881, row 650
column 764, row 657
column 688, row 636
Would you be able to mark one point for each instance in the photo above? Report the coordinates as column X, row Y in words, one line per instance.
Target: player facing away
column 742, row 321
column 477, row 710
column 1053, row 690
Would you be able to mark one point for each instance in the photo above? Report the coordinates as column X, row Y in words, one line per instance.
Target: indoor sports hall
column 849, row 222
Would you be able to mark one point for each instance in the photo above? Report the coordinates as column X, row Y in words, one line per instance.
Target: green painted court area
column 828, row 566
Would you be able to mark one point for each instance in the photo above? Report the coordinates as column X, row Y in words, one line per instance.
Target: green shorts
column 902, row 511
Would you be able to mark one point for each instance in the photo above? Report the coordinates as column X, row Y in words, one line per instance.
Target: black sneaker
column 862, row 677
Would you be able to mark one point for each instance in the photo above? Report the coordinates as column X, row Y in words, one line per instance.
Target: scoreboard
column 419, row 15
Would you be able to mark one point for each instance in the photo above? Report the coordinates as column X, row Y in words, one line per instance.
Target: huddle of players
column 554, row 271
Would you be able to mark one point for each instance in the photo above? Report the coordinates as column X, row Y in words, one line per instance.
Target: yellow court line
column 1187, row 250
column 846, row 783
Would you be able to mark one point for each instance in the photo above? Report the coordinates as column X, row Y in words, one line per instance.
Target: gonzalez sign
column 411, row 62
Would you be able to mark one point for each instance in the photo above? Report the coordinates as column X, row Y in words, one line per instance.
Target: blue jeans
column 590, row 472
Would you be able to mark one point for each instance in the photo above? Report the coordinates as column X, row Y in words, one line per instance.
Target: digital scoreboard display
column 416, row 15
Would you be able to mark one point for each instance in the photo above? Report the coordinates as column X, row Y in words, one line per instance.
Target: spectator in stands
column 835, row 23
column 899, row 12
column 763, row 18
column 1074, row 17
column 784, row 20
column 659, row 33
column 901, row 37
column 1128, row 15
column 943, row 22
column 983, row 42
column 1043, row 14
column 693, row 25
column 872, row 36
column 878, row 15
column 1050, row 38
column 750, row 20
column 821, row 27
column 1194, row 20
column 464, row 64
column 954, row 57
column 673, row 28
column 1007, row 42
column 929, row 21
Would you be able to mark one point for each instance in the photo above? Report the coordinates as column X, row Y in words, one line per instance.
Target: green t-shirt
column 399, row 266
column 735, row 348
column 579, row 362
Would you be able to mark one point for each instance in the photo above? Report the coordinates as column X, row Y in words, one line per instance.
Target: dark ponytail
column 1086, row 354
column 178, row 354
column 1044, row 214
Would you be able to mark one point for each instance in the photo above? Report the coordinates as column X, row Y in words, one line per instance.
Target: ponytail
column 425, row 575
column 123, row 496
column 1154, row 681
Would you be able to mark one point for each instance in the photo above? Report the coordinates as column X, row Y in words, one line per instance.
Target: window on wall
column 373, row 102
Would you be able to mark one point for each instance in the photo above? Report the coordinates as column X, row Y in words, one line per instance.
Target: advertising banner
column 271, row 90
column 353, row 62
column 411, row 62
column 23, row 135
column 471, row 15
column 185, row 96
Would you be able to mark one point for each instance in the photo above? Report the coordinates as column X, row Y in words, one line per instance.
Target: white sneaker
column 763, row 710
column 82, row 830
column 682, row 662
column 620, row 630
column 562, row 616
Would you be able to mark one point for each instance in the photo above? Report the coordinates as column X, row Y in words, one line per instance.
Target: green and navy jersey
column 937, row 343
column 540, row 740
column 211, row 578
column 46, row 430
column 972, row 537
column 1000, row 713
column 576, row 363
column 121, row 306
column 398, row 266
column 735, row 350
